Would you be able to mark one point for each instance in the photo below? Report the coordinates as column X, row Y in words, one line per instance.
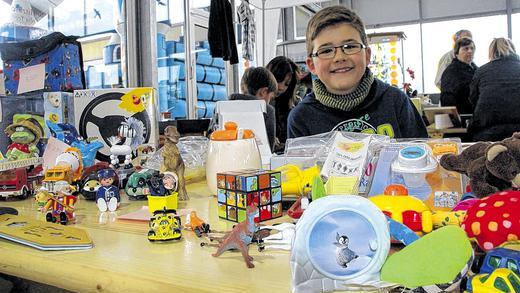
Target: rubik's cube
column 239, row 189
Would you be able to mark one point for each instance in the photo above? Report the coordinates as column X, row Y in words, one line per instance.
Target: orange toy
column 196, row 224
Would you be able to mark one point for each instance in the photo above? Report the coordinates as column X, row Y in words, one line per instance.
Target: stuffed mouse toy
column 491, row 167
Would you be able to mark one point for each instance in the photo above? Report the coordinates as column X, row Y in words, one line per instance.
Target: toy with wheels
column 165, row 225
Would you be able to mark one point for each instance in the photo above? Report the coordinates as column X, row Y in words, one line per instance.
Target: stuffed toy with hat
column 25, row 135
column 491, row 167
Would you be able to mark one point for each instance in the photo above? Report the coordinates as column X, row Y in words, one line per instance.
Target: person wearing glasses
column 346, row 96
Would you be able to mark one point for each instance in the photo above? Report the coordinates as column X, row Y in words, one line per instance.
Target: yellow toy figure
column 61, row 206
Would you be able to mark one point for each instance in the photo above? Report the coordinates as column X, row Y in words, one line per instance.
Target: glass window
column 501, row 285
column 515, row 18
column 301, row 18
column 514, row 282
column 494, row 261
column 437, row 40
column 99, row 16
column 68, row 18
column 512, row 265
column 408, row 57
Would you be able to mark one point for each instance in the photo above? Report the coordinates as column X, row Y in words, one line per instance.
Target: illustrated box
column 118, row 116
column 239, row 189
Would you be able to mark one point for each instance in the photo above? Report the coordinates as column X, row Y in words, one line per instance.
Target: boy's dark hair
column 461, row 43
column 330, row 16
column 255, row 78
column 281, row 66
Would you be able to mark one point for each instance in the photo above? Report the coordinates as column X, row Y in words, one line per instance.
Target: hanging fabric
column 221, row 33
column 246, row 19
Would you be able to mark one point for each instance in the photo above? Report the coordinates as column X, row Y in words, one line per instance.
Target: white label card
column 32, row 78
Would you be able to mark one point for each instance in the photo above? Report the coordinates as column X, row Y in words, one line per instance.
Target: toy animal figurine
column 89, row 186
column 280, row 240
column 196, row 224
column 25, row 135
column 61, row 206
column 137, row 185
column 343, row 254
column 172, row 160
column 107, row 195
column 239, row 238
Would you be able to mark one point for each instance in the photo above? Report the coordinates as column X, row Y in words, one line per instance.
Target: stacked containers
column 210, row 75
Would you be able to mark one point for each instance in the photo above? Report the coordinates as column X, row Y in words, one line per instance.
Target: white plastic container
column 414, row 162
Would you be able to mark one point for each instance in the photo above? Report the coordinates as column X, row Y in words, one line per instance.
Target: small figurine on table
column 172, row 160
column 193, row 222
column 61, row 205
column 170, row 181
column 25, row 135
column 108, row 194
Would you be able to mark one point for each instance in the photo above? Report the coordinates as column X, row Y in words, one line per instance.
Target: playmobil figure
column 25, row 135
column 343, row 254
column 61, row 205
column 156, row 186
column 108, row 195
column 172, row 160
column 240, row 237
column 196, row 224
column 170, row 181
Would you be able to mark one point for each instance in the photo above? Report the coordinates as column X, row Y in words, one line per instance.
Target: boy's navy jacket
column 386, row 110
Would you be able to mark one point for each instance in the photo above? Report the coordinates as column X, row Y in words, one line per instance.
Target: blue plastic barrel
column 212, row 75
column 218, row 62
column 210, row 109
column 205, row 91
column 163, row 96
column 177, row 108
column 204, row 58
column 219, row 93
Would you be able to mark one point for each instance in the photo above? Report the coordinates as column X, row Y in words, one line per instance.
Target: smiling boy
column 346, row 96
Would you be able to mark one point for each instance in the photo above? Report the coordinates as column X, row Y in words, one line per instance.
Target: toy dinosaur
column 239, row 238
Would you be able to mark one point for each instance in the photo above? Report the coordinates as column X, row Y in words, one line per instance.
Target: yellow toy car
column 165, row 225
column 500, row 280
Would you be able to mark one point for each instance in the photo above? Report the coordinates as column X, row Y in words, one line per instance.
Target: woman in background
column 456, row 78
column 286, row 73
column 495, row 93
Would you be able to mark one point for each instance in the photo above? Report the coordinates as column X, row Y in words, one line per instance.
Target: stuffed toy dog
column 491, row 167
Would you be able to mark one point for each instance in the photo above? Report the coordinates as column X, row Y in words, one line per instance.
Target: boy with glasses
column 346, row 96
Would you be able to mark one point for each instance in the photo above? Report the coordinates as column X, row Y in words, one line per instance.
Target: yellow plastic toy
column 294, row 180
column 442, row 218
column 159, row 203
column 500, row 280
column 407, row 210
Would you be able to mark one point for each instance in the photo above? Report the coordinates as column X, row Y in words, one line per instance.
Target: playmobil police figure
column 107, row 195
column 25, row 135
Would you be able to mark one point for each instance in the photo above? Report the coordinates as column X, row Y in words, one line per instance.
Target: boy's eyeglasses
column 330, row 52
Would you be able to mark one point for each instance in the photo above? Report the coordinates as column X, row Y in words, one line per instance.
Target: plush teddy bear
column 491, row 167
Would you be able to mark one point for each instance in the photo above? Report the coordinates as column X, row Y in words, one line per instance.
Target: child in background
column 259, row 84
column 346, row 96
column 286, row 73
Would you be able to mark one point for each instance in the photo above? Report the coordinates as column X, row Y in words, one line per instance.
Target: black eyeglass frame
column 343, row 48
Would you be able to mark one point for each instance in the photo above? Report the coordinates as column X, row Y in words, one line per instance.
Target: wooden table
column 123, row 260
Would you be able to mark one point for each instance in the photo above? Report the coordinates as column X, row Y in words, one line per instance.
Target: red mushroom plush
column 494, row 220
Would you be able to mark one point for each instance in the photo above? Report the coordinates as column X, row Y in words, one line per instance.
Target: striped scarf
column 344, row 102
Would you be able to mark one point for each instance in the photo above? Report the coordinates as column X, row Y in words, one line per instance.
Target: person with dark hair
column 286, row 73
column 450, row 55
column 495, row 93
column 457, row 77
column 258, row 83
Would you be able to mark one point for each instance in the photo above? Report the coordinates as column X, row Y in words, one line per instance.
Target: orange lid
column 230, row 132
column 396, row 189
